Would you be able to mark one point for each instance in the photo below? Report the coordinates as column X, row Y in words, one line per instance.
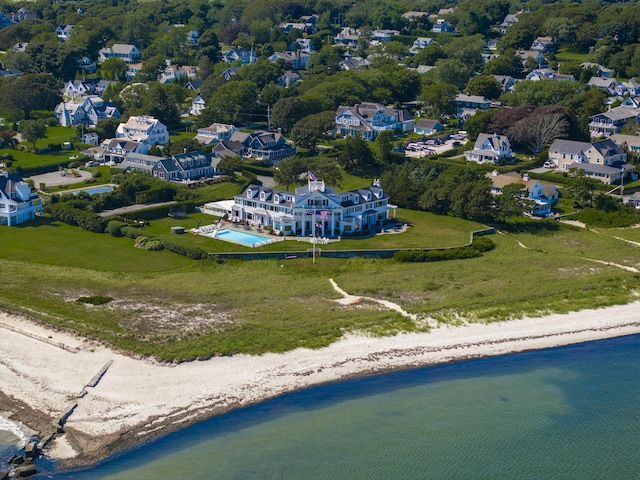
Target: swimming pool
column 240, row 238
column 95, row 190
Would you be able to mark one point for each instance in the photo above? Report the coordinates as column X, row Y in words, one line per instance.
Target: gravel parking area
column 54, row 179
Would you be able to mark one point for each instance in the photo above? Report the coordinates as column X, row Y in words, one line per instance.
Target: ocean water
column 568, row 412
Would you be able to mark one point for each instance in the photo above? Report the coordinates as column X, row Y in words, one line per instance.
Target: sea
column 563, row 413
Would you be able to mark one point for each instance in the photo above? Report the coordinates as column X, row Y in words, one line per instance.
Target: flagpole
column 313, row 222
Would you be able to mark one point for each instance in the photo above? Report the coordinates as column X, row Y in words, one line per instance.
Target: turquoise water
column 569, row 412
column 242, row 238
column 95, row 190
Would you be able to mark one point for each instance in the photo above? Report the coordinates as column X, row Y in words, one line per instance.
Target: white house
column 313, row 207
column 215, row 133
column 491, row 148
column 88, row 111
column 442, row 26
column 198, row 105
column 18, row 203
column 144, row 129
column 117, row 149
column 129, row 53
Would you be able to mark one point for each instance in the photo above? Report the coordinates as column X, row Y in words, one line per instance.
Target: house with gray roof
column 18, row 203
column 129, row 53
column 186, row 166
column 631, row 143
column 117, row 149
column 490, row 148
column 369, row 119
column 467, row 105
column 606, row 124
column 427, row 127
column 215, row 133
column 603, row 160
column 313, row 208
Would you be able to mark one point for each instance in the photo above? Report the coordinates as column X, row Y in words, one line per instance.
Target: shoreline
column 136, row 400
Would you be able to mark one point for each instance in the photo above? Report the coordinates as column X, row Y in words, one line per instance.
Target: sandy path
column 138, row 399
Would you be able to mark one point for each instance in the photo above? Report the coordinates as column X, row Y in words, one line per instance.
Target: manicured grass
column 26, row 159
column 566, row 56
column 425, row 230
column 54, row 243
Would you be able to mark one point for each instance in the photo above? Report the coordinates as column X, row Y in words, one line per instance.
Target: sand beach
column 44, row 373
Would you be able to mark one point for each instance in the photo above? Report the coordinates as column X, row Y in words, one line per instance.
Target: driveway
column 55, row 179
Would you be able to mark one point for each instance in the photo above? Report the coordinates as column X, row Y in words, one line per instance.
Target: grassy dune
column 175, row 308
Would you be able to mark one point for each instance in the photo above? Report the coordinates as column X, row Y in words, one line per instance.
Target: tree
column 326, row 169
column 230, row 164
column 234, row 102
column 158, row 102
column 288, row 171
column 582, row 187
column 439, row 99
column 33, row 130
column 383, row 142
column 114, row 69
column 8, row 137
column 513, row 201
column 508, row 63
column 484, row 86
column 453, row 71
column 313, row 128
column 540, row 128
column 151, row 69
column 357, row 156
column 287, row 112
column 39, row 91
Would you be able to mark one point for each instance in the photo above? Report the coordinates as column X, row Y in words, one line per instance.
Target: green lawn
column 55, row 243
column 426, row 230
column 26, row 159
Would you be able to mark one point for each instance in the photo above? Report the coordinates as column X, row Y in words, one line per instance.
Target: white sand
column 148, row 397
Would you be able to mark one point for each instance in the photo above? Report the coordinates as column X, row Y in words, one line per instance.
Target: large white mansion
column 315, row 204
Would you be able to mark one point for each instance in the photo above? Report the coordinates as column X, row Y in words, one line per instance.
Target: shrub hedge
column 479, row 245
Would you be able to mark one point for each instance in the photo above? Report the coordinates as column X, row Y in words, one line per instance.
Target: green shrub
column 114, row 228
column 96, row 174
column 483, row 244
column 95, row 299
column 154, row 245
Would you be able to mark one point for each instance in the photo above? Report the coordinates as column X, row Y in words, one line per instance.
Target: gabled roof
column 569, row 146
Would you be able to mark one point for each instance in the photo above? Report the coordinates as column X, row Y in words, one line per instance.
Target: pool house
column 313, row 206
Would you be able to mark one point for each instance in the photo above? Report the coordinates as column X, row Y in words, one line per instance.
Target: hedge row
column 258, row 169
column 153, row 213
column 479, row 245
column 81, row 218
column 40, row 169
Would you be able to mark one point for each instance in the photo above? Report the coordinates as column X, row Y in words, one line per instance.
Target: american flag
column 312, row 177
column 323, row 214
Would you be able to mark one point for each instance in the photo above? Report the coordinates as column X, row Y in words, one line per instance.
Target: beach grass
column 174, row 308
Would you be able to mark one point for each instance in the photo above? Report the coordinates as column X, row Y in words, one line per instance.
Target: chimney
column 184, row 150
column 525, row 177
